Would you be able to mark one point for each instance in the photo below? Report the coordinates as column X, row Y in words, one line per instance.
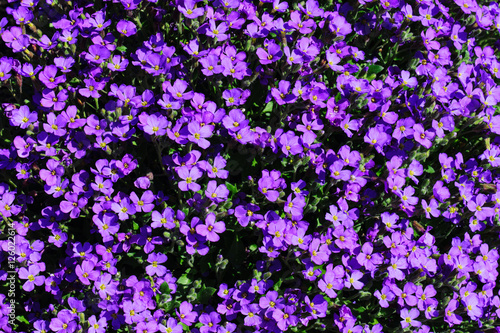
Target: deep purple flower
column 97, row 54
column 126, row 28
column 210, row 322
column 272, row 54
column 53, row 174
column 48, row 76
column 72, row 204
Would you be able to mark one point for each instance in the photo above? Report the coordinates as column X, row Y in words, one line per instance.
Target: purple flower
column 51, row 100
column 353, row 280
column 377, row 138
column 172, row 326
column 440, row 191
column 97, row 326
column 423, row 137
column 48, row 76
column 409, row 317
column 86, row 272
column 187, row 8
column 431, row 208
column 285, row 317
column 272, row 54
column 72, row 204
column 266, row 187
column 126, row 28
column 290, row 144
column 295, row 205
column 369, row 259
column 396, row 266
column 155, row 259
column 216, row 169
column 53, row 174
column 107, row 224
column 211, row 228
column 210, row 322
column 450, row 317
column 211, row 65
column 145, row 203
column 189, row 176
column 404, row 128
column 165, row 219
column 5, row 68
column 22, row 117
column 97, row 54
column 186, row 314
column 63, row 323
column 235, row 120
column 384, row 296
column 213, row 30
column 415, row 169
column 198, row 134
column 476, row 205
column 31, row 275
column 216, row 193
column 154, row 124
column 104, row 285
column 91, row 88
column 124, row 208
column 252, row 314
column 282, row 94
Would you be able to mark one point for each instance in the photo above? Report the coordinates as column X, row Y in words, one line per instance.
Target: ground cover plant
column 239, row 166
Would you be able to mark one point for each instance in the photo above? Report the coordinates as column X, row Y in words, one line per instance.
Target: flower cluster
column 240, row 166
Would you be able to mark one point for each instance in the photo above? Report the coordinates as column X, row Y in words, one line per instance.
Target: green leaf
column 430, row 169
column 135, row 226
column 22, row 319
column 277, row 285
column 205, row 294
column 169, row 306
column 122, row 48
column 164, row 288
column 184, row 280
column 374, row 69
column 268, row 107
column 232, row 188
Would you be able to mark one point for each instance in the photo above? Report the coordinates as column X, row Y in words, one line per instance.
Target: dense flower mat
column 238, row 166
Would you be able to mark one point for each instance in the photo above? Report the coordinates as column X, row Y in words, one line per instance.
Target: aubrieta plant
column 245, row 166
